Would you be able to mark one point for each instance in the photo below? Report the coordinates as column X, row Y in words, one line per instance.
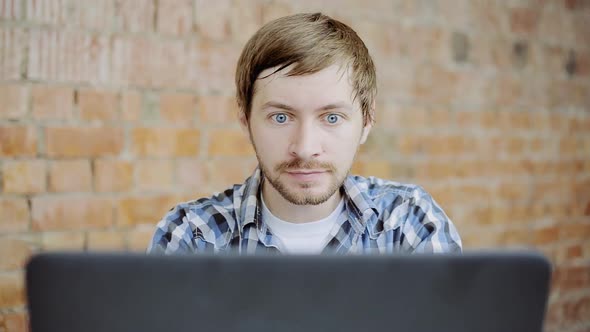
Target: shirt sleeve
column 427, row 228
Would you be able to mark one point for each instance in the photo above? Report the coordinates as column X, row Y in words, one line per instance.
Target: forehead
column 329, row 85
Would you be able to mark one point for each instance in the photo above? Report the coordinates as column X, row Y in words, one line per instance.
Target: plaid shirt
column 379, row 217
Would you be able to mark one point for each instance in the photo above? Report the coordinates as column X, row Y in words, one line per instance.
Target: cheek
column 269, row 144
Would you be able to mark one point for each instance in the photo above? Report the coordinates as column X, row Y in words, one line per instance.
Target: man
column 306, row 88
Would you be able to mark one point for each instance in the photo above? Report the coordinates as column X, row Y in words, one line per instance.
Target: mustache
column 304, row 164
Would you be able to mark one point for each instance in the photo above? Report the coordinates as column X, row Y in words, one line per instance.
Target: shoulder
column 211, row 219
column 381, row 191
column 412, row 210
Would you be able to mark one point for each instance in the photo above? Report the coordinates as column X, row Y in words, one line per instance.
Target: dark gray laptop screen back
column 132, row 292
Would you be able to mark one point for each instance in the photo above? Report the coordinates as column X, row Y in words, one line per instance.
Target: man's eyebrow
column 338, row 105
column 275, row 104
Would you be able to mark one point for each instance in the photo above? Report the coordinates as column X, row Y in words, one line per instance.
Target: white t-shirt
column 305, row 238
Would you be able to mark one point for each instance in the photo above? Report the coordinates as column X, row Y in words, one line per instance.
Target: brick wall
column 113, row 110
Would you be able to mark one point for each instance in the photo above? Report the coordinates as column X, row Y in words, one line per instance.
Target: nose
column 306, row 143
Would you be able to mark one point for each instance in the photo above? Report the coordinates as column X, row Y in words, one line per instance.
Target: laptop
column 116, row 292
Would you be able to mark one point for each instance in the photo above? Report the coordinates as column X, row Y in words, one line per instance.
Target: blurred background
column 112, row 111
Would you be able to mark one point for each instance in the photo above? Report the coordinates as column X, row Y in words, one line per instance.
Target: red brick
column 516, row 237
column 445, row 145
column 577, row 310
column 229, row 142
column 175, row 17
column 14, row 215
column 17, row 141
column 14, row 101
column 12, row 52
column 70, row 176
column 105, row 240
column 481, row 216
column 131, row 106
column 515, row 146
column 113, row 175
column 580, row 22
column 576, row 4
column 134, row 15
column 140, row 238
column 481, row 239
column 143, row 209
column 52, row 102
column 12, row 290
column 191, row 174
column 408, row 144
column 83, row 142
column 154, row 175
column 68, row 56
column 178, row 108
column 574, row 251
column 165, row 142
column 472, row 193
column 24, row 176
column 553, row 316
column 70, row 212
column 59, row 241
column 583, row 64
column 546, row 235
column 14, row 252
column 513, row 191
column 378, row 168
column 443, row 195
column 225, row 173
column 414, row 39
column 434, row 84
column 211, row 18
column 15, row 321
column 98, row 105
column 567, row 146
column 218, row 110
column 524, row 20
column 578, row 231
column 439, row 171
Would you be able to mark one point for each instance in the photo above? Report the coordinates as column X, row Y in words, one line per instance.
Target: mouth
column 306, row 171
column 305, row 175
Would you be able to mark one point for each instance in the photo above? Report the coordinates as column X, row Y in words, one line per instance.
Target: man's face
column 305, row 131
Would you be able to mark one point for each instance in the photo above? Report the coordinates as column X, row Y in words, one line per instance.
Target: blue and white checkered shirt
column 379, row 217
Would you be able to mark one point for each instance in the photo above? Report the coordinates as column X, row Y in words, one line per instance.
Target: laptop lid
column 111, row 292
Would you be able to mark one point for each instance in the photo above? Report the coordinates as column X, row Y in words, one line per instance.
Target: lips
column 306, row 171
column 306, row 175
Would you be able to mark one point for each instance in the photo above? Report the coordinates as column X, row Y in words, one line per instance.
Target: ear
column 244, row 122
column 365, row 133
column 368, row 126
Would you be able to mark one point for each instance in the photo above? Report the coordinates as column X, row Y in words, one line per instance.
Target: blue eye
column 280, row 118
column 332, row 118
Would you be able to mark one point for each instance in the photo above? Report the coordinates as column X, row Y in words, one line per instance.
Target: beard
column 302, row 194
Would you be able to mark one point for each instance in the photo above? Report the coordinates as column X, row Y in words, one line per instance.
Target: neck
column 287, row 211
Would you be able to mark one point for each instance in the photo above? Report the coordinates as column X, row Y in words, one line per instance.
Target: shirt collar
column 248, row 210
column 357, row 196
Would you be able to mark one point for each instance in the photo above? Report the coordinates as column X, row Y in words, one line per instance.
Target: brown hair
column 310, row 42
